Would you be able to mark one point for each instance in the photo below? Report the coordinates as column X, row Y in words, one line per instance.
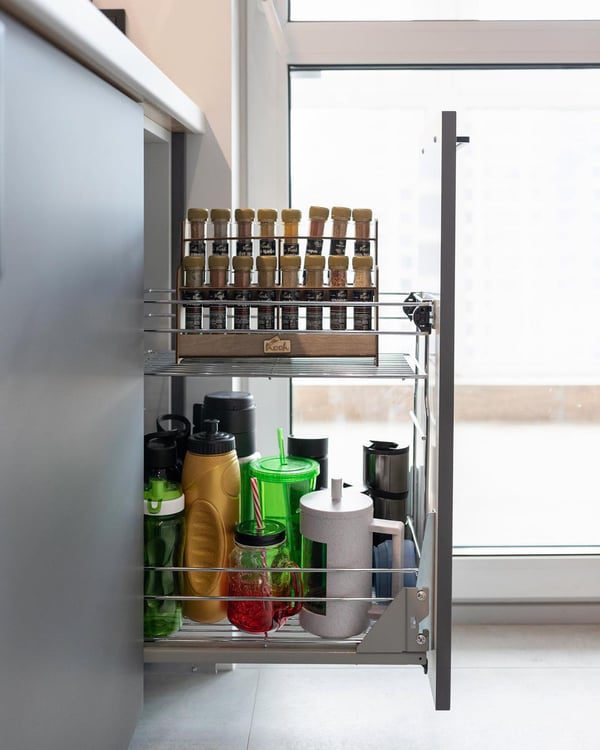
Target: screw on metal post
column 421, row 639
column 421, row 595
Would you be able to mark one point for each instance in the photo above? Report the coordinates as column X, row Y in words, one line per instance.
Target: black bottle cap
column 236, row 412
column 181, row 426
column 385, row 447
column 179, row 430
column 159, row 453
column 308, row 447
column 211, row 441
column 248, row 533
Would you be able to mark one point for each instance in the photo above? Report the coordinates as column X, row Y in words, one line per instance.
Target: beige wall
column 190, row 41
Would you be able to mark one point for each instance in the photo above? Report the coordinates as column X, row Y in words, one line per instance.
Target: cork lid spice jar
column 291, row 220
column 220, row 218
column 318, row 215
column 244, row 218
column 362, row 227
column 314, row 266
column 193, row 269
column 197, row 218
column 340, row 216
column 266, row 219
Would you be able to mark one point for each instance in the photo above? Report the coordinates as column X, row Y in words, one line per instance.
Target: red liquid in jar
column 251, row 616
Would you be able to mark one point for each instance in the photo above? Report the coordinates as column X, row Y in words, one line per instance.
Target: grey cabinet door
column 436, row 268
column 71, row 395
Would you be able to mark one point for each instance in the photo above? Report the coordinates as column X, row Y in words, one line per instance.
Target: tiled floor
column 513, row 687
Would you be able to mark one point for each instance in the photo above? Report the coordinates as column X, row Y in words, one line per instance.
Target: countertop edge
column 82, row 31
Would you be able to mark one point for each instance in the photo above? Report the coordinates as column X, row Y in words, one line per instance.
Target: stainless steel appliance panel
column 71, row 264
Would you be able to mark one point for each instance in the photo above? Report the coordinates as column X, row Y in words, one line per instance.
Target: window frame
column 271, row 47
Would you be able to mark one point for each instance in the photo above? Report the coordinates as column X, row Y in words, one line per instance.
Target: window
column 409, row 10
column 527, row 366
column 567, row 401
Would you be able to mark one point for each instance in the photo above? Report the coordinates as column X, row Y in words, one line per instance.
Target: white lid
column 336, row 501
column 164, row 507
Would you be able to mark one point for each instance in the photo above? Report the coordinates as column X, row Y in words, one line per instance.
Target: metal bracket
column 426, row 574
column 406, row 623
column 398, row 628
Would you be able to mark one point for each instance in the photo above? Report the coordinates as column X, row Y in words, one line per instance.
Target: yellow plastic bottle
column 211, row 484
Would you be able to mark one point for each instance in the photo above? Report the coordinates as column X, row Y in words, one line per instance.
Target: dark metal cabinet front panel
column 437, row 261
column 71, row 270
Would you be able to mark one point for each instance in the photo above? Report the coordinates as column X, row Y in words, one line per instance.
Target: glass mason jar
column 256, row 550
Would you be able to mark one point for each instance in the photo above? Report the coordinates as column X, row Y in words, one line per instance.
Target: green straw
column 282, row 456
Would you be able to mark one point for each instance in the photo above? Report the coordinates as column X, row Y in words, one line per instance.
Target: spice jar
column 220, row 220
column 318, row 215
column 290, row 218
column 242, row 268
column 254, row 552
column 338, row 280
column 267, row 218
column 362, row 230
column 313, row 282
column 193, row 270
column 244, row 218
column 340, row 216
column 217, row 268
column 197, row 218
column 266, row 265
column 290, row 266
column 363, row 292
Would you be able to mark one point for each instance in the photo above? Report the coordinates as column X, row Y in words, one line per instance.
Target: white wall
column 191, row 41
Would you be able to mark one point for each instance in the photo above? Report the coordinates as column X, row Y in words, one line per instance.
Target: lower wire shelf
column 222, row 642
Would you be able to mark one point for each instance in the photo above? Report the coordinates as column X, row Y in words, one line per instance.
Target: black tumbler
column 236, row 413
column 316, row 448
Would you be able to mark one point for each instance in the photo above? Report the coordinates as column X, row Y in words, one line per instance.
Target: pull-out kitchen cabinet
column 415, row 626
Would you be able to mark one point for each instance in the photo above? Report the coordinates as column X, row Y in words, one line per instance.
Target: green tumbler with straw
column 282, row 481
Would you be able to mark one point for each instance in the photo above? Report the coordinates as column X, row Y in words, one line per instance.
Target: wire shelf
column 398, row 366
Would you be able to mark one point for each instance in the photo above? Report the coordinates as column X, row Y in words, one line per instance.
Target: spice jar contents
column 220, row 219
column 266, row 265
column 254, row 552
column 338, row 279
column 197, row 218
column 313, row 283
column 340, row 216
column 244, row 218
column 290, row 265
column 267, row 218
column 217, row 267
column 362, row 230
column 242, row 268
column 318, row 215
column 363, row 291
column 291, row 218
column 193, row 269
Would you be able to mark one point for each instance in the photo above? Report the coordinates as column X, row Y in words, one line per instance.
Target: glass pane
column 528, row 271
column 436, row 10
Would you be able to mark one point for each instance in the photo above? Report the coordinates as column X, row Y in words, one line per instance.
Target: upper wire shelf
column 401, row 366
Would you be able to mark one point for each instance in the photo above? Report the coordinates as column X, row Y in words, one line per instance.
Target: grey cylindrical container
column 385, row 474
column 385, row 467
column 337, row 528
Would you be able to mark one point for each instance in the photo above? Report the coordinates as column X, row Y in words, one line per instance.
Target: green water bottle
column 282, row 481
column 164, row 516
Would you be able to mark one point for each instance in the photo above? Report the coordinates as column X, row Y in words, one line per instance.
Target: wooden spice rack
column 276, row 342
